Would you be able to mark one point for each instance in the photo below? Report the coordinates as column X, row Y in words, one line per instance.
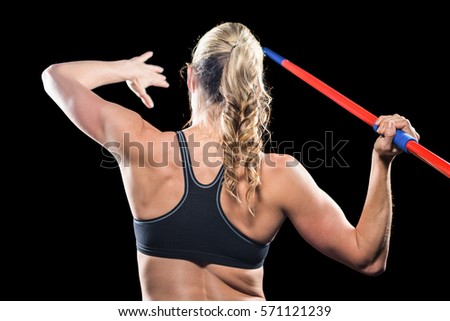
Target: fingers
column 387, row 128
column 143, row 75
column 386, row 139
column 400, row 122
column 160, row 82
column 156, row 69
column 145, row 56
column 147, row 101
column 154, row 77
column 141, row 93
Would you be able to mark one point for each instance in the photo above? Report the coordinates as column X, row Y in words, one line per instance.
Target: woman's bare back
column 174, row 279
column 154, row 191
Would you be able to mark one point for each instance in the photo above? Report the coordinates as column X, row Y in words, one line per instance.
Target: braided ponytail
column 228, row 63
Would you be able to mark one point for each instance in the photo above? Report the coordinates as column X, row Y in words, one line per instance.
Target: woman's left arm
column 71, row 85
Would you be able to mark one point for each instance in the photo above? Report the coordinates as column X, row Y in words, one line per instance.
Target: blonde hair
column 228, row 65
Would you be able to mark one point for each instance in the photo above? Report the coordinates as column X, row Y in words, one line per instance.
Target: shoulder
column 281, row 164
column 278, row 161
column 289, row 183
column 285, row 170
column 147, row 144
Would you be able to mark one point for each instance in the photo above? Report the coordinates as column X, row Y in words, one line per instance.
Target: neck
column 206, row 119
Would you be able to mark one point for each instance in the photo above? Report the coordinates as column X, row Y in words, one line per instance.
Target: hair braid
column 228, row 62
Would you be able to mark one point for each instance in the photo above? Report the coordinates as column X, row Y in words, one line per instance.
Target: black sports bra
column 197, row 229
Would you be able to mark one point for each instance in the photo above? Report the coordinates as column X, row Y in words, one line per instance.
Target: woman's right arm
column 71, row 85
column 319, row 219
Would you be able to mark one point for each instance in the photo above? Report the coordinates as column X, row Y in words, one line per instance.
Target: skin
column 154, row 190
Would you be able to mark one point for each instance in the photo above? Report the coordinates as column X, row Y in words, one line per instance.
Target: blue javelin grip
column 400, row 139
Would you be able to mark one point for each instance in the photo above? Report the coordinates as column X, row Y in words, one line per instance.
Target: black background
column 66, row 228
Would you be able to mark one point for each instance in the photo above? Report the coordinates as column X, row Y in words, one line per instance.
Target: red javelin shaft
column 404, row 141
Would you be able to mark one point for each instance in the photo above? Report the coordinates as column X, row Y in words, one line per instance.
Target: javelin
column 401, row 139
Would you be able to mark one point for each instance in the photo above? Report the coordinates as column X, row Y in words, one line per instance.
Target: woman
column 206, row 200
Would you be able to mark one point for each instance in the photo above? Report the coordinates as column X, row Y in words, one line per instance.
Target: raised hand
column 143, row 75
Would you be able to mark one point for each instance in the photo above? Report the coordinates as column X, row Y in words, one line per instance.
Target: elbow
column 374, row 268
column 46, row 77
column 50, row 78
column 48, row 74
